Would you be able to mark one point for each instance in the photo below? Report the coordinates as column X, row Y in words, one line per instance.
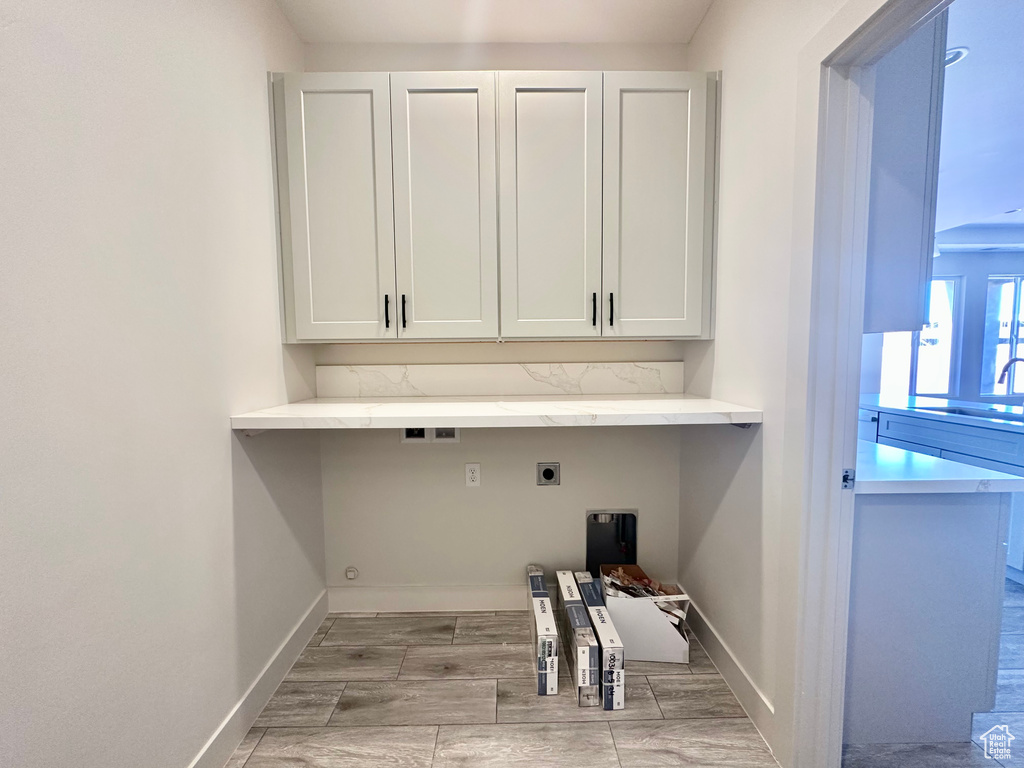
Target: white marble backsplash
column 486, row 379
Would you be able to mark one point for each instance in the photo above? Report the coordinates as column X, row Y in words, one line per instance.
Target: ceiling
column 495, row 21
column 981, row 163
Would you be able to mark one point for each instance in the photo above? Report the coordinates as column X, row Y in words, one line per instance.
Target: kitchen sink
column 978, row 413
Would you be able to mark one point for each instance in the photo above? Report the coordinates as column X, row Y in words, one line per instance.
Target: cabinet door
column 904, row 180
column 341, row 233
column 549, row 133
column 656, row 270
column 446, row 236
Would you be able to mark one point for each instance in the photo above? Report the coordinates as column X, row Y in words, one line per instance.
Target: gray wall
column 151, row 563
column 402, row 514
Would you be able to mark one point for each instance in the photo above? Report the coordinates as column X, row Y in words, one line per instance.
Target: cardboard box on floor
column 613, row 661
column 543, row 631
column 582, row 651
column 647, row 633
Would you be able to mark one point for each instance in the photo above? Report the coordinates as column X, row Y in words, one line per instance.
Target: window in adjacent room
column 925, row 362
column 1004, row 317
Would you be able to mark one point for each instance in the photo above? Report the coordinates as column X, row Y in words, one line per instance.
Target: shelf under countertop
column 497, row 411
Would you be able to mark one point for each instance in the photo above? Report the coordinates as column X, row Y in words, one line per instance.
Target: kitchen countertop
column 505, row 411
column 884, row 469
column 918, row 407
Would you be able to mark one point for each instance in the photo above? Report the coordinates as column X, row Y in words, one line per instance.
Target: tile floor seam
column 344, row 687
column 254, row 748
column 398, row 674
column 657, row 701
column 615, row 745
column 433, row 754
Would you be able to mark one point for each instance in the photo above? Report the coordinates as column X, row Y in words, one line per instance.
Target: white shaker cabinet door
column 340, row 226
column 656, row 204
column 904, row 181
column 549, row 131
column 446, row 238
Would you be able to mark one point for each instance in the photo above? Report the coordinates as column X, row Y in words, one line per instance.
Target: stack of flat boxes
column 543, row 631
column 613, row 663
column 578, row 637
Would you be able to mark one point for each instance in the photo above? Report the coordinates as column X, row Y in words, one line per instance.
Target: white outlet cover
column 473, row 476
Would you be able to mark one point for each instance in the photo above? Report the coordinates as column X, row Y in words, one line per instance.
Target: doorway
column 842, row 203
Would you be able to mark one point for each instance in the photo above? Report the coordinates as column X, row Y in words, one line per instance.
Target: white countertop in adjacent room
column 884, row 469
column 504, row 411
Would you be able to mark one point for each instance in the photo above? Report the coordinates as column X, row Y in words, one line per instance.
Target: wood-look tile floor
column 458, row 690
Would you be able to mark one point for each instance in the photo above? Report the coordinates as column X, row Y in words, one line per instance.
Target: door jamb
column 836, row 322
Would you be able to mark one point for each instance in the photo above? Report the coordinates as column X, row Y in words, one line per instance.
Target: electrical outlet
column 472, row 475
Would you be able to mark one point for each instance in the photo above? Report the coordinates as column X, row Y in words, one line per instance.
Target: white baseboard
column 758, row 706
column 232, row 730
column 419, row 598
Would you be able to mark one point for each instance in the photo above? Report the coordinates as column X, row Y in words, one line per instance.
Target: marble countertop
column 884, row 469
column 504, row 411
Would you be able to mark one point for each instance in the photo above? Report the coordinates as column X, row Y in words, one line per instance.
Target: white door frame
column 828, row 443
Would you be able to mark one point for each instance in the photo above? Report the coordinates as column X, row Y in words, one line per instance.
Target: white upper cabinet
column 904, row 180
column 657, row 204
column 336, row 206
column 389, row 194
column 445, row 187
column 550, row 196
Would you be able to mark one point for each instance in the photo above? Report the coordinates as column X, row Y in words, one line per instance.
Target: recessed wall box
column 430, row 435
column 414, row 435
column 446, row 434
column 548, row 473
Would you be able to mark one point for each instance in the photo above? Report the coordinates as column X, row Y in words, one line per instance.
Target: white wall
column 399, row 57
column 443, row 542
column 741, row 535
column 151, row 563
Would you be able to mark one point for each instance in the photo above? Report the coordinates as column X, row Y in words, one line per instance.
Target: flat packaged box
column 583, row 652
column 547, row 676
column 613, row 690
column 545, row 638
column 608, row 638
column 536, row 586
column 543, row 631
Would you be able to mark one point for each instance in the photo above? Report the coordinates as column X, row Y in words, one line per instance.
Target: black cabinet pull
column 387, row 314
column 595, row 309
column 611, row 309
column 403, row 310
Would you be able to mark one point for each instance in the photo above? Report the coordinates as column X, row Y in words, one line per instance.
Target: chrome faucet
column 1011, row 361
